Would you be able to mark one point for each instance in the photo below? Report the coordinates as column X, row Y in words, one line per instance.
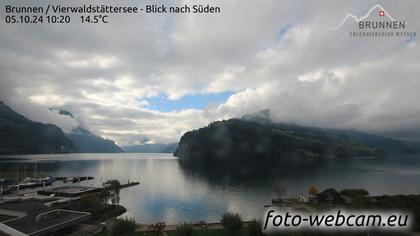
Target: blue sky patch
column 196, row 101
column 283, row 31
column 410, row 40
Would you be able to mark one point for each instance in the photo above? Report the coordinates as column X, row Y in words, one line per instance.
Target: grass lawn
column 210, row 232
column 105, row 233
column 215, row 232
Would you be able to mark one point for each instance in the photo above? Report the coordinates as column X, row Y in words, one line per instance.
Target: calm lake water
column 167, row 192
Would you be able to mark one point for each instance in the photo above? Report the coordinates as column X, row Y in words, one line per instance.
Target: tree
column 113, row 187
column 280, row 189
column 255, row 228
column 91, row 202
column 354, row 193
column 231, row 222
column 123, row 227
column 104, row 196
column 330, row 195
column 184, row 230
column 313, row 191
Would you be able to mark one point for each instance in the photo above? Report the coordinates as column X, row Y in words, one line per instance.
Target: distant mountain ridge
column 151, row 148
column 86, row 141
column 19, row 135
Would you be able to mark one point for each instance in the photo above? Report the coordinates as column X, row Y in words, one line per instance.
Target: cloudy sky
column 155, row 76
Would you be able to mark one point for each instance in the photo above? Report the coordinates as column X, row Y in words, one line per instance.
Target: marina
column 12, row 186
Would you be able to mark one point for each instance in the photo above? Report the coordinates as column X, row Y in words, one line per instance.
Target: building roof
column 46, row 222
column 25, row 205
column 5, row 217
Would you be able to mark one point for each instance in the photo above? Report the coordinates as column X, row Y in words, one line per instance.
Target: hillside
column 247, row 139
column 86, row 141
column 18, row 135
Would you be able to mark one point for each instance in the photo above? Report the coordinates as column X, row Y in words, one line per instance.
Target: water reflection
column 174, row 193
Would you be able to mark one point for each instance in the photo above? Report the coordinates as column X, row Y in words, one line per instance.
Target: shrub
column 255, row 228
column 354, row 193
column 313, row 191
column 231, row 222
column 123, row 227
column 184, row 230
column 91, row 202
column 113, row 187
column 330, row 195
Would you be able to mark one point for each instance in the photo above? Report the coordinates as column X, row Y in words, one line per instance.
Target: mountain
column 256, row 138
column 262, row 116
column 18, row 135
column 383, row 144
column 86, row 141
column 151, row 148
column 170, row 148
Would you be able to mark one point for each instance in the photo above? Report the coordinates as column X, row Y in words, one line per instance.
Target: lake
column 168, row 192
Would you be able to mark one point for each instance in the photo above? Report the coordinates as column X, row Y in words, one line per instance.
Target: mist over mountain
column 256, row 137
column 386, row 144
column 85, row 140
column 19, row 135
column 262, row 116
column 151, row 148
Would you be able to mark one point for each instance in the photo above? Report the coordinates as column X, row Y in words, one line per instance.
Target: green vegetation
column 243, row 141
column 244, row 232
column 233, row 225
column 18, row 135
column 111, row 191
column 123, row 227
column 232, row 222
column 214, row 232
column 409, row 203
column 354, row 193
column 330, row 195
column 184, row 230
column 106, row 212
column 91, row 202
column 360, row 199
column 255, row 228
column 137, row 233
column 98, row 203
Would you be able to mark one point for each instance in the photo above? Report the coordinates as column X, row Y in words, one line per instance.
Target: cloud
column 31, row 110
column 272, row 54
